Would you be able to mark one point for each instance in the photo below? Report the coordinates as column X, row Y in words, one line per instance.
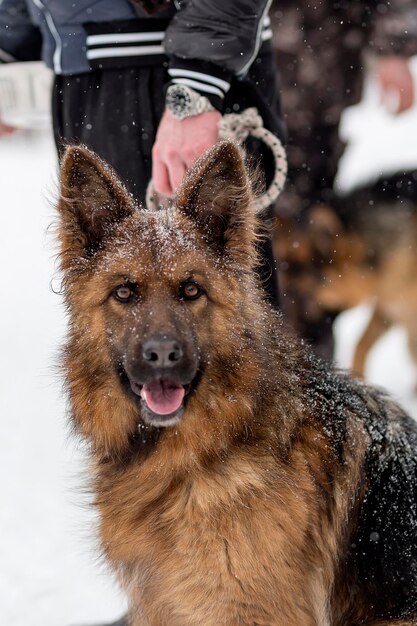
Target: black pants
column 116, row 113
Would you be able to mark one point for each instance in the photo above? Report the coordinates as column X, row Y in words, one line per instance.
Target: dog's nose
column 162, row 352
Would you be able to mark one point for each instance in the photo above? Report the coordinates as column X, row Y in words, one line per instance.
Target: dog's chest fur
column 230, row 546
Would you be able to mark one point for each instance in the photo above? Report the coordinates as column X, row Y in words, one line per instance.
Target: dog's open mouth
column 162, row 399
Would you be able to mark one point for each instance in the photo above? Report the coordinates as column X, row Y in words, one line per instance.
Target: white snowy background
column 50, row 573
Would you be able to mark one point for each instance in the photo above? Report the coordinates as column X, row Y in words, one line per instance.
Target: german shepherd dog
column 361, row 249
column 239, row 481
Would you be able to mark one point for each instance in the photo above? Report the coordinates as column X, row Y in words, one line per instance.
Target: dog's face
column 154, row 295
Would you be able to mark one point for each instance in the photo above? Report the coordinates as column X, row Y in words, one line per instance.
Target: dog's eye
column 190, row 290
column 123, row 293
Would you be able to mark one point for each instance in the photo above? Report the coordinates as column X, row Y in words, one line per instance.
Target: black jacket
column 207, row 42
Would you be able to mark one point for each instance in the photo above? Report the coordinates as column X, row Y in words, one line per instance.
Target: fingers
column 6, row 130
column 167, row 172
column 176, row 169
column 179, row 143
column 396, row 83
column 160, row 175
column 406, row 98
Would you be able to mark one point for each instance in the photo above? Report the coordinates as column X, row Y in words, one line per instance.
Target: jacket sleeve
column 20, row 39
column 210, row 41
column 395, row 28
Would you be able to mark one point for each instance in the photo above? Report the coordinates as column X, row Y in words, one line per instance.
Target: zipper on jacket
column 54, row 32
column 258, row 41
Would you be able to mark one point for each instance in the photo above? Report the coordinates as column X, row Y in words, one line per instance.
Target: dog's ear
column 325, row 230
column 217, row 195
column 92, row 200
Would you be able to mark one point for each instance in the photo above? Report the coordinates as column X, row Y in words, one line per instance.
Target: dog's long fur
column 281, row 493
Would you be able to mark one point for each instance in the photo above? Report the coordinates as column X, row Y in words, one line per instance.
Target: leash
column 238, row 127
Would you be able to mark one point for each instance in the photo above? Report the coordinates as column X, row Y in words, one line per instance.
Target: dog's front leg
column 377, row 326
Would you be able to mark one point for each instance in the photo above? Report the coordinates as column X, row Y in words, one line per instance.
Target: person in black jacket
column 144, row 82
column 324, row 50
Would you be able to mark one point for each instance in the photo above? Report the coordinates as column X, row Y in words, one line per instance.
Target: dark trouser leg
column 320, row 148
column 116, row 114
column 261, row 90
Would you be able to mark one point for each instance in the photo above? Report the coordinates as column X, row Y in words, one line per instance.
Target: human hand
column 6, row 130
column 396, row 83
column 178, row 145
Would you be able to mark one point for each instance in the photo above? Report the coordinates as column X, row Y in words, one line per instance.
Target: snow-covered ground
column 49, row 570
column 49, row 575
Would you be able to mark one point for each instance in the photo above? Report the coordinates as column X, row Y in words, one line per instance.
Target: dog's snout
column 162, row 352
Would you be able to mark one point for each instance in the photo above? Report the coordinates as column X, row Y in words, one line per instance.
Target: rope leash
column 238, row 127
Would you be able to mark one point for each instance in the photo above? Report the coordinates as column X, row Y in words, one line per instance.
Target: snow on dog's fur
column 239, row 481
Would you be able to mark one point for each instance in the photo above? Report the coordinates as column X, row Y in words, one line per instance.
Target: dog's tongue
column 162, row 396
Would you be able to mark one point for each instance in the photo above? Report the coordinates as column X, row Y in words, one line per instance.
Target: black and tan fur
column 281, row 493
column 362, row 250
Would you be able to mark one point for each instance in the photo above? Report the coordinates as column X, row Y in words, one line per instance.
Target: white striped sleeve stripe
column 206, row 78
column 266, row 34
column 127, row 51
column 6, row 57
column 94, row 40
column 200, row 86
